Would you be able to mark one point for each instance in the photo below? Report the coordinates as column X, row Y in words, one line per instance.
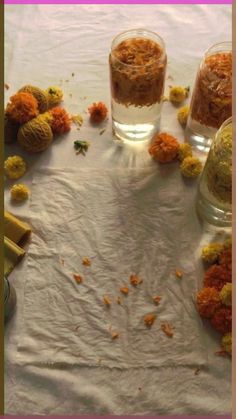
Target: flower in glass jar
column 182, row 115
column 14, row 167
column 226, row 343
column 19, row 192
column 164, row 148
column 225, row 258
column 178, row 94
column 211, row 252
column 98, row 112
column 208, row 300
column 217, row 276
column 226, row 294
column 222, row 320
column 185, row 150
column 191, row 167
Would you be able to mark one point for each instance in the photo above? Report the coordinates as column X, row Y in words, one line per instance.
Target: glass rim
column 223, row 125
column 163, row 54
column 216, row 45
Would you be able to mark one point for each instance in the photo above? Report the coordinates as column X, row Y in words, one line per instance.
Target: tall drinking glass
column 137, row 74
column 211, row 102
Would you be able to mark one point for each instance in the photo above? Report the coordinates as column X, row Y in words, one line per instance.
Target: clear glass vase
column 211, row 102
column 214, row 199
column 137, row 75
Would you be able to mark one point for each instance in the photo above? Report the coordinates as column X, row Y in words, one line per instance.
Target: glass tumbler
column 211, row 102
column 137, row 64
column 214, row 199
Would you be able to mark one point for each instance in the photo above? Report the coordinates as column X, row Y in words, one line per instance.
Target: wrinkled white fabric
column 118, row 208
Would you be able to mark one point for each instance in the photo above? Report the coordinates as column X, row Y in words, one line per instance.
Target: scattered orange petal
column 196, row 371
column 167, row 329
column 156, row 299
column 118, row 300
column 149, row 319
column 6, row 86
column 124, row 290
column 178, row 273
column 78, row 278
column 135, row 280
column 106, row 301
column 114, row 335
column 86, row 261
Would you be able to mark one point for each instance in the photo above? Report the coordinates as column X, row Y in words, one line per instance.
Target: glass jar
column 9, row 299
column 214, row 200
column 137, row 75
column 211, row 102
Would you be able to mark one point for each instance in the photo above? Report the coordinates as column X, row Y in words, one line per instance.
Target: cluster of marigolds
column 214, row 300
column 33, row 119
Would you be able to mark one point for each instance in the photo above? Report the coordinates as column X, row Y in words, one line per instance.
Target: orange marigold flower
column 208, row 300
column 225, row 258
column 22, row 107
column 222, row 320
column 60, row 122
column 98, row 112
column 164, row 148
column 216, row 276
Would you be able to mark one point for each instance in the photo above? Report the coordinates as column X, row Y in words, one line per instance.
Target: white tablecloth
column 44, row 45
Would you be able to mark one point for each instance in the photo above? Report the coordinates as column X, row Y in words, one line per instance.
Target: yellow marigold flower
column 14, row 167
column 185, row 150
column 178, row 94
column 226, row 343
column 182, row 115
column 19, row 192
column 211, row 252
column 55, row 96
column 226, row 294
column 191, row 167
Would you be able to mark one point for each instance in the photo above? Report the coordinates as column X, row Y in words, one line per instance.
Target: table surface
column 44, row 45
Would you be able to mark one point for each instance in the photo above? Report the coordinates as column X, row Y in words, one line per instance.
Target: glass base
column 212, row 214
column 199, row 136
column 128, row 133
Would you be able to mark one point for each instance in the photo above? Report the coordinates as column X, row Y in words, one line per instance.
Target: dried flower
column 156, row 299
column 78, row 278
column 19, row 192
column 98, row 112
column 124, row 290
column 208, row 300
column 226, row 343
column 55, row 96
column 135, row 280
column 191, row 167
column 14, row 167
column 211, row 252
column 86, row 261
column 81, row 146
column 178, row 94
column 226, row 294
column 164, row 148
column 182, row 115
column 22, row 107
column 222, row 320
column 118, row 300
column 168, row 329
column 216, row 276
column 60, row 122
column 225, row 258
column 185, row 150
column 149, row 319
